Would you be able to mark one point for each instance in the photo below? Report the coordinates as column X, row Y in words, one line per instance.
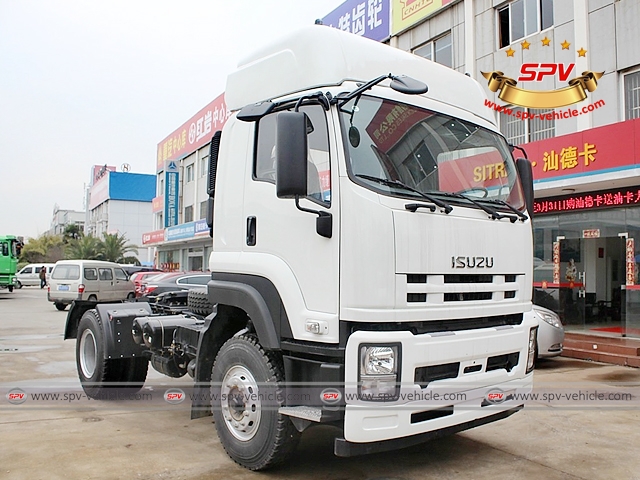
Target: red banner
column 612, row 147
column 158, row 204
column 194, row 133
column 156, row 236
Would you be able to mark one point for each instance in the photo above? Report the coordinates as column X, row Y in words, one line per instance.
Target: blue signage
column 369, row 18
column 171, row 198
column 186, row 230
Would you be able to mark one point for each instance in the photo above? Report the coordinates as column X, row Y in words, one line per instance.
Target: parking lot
column 78, row 438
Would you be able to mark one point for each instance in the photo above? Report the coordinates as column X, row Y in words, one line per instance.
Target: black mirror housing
column 291, row 154
column 525, row 172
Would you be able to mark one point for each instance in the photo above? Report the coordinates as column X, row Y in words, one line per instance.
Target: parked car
column 550, row 332
column 138, row 278
column 173, row 281
column 88, row 280
column 29, row 275
column 131, row 269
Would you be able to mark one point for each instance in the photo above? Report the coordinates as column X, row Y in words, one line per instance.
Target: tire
column 131, row 296
column 60, row 306
column 253, row 433
column 18, row 284
column 198, row 301
column 102, row 378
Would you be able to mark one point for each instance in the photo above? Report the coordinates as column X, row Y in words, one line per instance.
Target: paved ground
column 105, row 440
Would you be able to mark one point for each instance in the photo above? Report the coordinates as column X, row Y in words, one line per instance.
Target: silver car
column 550, row 332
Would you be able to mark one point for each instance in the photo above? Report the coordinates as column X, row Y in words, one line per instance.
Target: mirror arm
column 324, row 222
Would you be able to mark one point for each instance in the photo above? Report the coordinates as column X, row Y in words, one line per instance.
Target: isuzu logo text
column 535, row 72
column 471, row 262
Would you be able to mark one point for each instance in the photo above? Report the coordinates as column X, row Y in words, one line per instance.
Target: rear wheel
column 60, row 306
column 247, row 383
column 102, row 378
column 18, row 284
column 131, row 296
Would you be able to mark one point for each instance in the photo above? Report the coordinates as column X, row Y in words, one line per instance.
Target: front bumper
column 476, row 394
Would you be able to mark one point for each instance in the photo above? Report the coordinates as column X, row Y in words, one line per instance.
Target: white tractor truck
column 371, row 265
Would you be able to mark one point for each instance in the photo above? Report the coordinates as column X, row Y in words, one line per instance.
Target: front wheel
column 18, row 285
column 103, row 378
column 247, row 391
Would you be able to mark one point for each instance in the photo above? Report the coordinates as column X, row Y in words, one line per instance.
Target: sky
column 86, row 82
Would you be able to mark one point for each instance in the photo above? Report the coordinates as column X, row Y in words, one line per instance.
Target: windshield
column 391, row 144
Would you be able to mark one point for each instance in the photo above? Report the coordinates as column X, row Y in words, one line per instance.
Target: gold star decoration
column 525, row 45
column 565, row 45
column 582, row 52
column 546, row 42
column 510, row 52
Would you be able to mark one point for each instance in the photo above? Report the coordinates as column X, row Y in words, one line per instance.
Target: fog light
column 533, row 341
column 379, row 372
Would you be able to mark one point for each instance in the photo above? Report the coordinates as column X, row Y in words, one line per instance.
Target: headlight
column 531, row 356
column 550, row 317
column 379, row 372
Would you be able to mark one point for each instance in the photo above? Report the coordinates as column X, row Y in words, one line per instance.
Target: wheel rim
column 88, row 353
column 241, row 407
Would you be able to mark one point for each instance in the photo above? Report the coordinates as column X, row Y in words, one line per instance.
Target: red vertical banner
column 556, row 263
column 631, row 262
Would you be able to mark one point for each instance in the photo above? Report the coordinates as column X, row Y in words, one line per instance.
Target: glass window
column 204, row 166
column 439, row 50
column 26, row 270
column 5, row 250
column 105, row 274
column 90, row 274
column 203, row 209
column 518, row 128
column 188, row 214
column 632, row 95
column 407, row 151
column 319, row 167
column 189, row 173
column 521, row 18
column 66, row 272
column 120, row 274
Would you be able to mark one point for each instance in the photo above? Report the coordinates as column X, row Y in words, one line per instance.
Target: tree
column 115, row 247
column 72, row 232
column 44, row 249
column 85, row 248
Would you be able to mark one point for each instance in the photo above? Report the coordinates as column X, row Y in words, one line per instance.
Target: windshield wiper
column 495, row 215
column 502, row 203
column 446, row 208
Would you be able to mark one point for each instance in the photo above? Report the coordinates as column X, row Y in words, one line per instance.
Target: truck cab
column 10, row 247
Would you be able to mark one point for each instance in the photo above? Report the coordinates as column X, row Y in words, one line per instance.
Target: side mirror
column 291, row 154
column 525, row 172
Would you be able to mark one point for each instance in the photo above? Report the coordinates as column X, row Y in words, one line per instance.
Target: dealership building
column 586, row 177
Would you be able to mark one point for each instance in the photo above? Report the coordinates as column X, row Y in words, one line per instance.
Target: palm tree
column 115, row 247
column 85, row 248
column 72, row 232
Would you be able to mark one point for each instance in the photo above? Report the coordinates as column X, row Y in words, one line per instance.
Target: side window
column 27, row 270
column 199, row 280
column 183, row 281
column 90, row 274
column 120, row 274
column 38, row 269
column 105, row 274
column 319, row 168
column 5, row 249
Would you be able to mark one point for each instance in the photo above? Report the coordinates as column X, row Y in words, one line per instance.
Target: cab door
column 283, row 238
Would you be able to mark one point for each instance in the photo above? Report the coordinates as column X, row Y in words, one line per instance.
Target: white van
column 88, row 280
column 30, row 274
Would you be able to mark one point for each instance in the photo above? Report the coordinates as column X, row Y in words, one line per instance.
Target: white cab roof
column 320, row 56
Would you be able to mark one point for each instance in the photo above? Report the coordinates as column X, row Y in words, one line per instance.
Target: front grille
column 424, row 375
column 467, row 296
column 442, row 289
column 468, row 278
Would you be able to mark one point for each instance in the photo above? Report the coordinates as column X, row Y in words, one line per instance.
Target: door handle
column 251, row 231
